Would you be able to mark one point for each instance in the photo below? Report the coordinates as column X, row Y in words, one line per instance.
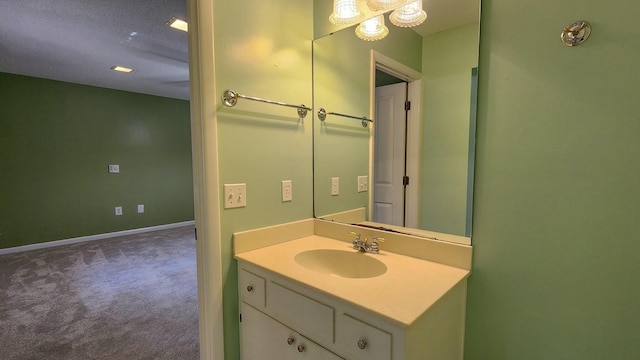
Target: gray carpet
column 131, row 297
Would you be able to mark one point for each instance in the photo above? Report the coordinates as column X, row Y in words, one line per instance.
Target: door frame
column 414, row 127
column 206, row 179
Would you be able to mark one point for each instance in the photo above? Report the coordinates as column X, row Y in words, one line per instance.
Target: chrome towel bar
column 230, row 99
column 322, row 115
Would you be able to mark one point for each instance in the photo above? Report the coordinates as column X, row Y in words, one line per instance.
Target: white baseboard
column 80, row 239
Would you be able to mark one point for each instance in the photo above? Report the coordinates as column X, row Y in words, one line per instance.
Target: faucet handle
column 356, row 241
column 374, row 244
column 376, row 239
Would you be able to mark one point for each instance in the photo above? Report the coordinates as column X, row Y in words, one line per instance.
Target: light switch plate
column 363, row 183
column 235, row 195
column 335, row 186
column 287, row 191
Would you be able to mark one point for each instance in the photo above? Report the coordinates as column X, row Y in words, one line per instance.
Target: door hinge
column 195, row 230
column 240, row 317
column 405, row 180
column 407, row 105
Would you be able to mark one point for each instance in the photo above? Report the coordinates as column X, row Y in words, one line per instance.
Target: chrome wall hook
column 576, row 33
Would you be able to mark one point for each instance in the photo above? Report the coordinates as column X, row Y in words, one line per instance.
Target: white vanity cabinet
column 265, row 338
column 276, row 310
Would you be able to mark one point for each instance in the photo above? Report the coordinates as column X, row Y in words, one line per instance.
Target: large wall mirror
column 410, row 169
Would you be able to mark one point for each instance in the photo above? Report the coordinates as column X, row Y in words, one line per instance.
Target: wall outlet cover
column 140, row 209
column 118, row 210
column 287, row 191
column 335, row 186
column 114, row 169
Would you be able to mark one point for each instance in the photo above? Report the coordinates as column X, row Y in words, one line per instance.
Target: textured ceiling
column 80, row 40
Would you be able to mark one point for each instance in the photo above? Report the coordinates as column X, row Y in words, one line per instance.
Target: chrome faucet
column 364, row 246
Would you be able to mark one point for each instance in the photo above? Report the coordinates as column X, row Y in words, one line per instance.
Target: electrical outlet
column 140, row 209
column 118, row 210
column 363, row 183
column 287, row 190
column 335, row 186
column 235, row 195
column 114, row 169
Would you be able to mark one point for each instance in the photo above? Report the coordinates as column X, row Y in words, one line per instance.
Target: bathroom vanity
column 316, row 297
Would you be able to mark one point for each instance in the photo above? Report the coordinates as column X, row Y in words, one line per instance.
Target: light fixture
column 372, row 29
column 408, row 15
column 178, row 24
column 376, row 5
column 345, row 12
column 121, row 69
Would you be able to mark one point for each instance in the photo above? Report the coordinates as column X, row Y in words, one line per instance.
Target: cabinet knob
column 250, row 288
column 291, row 340
column 300, row 348
column 362, row 344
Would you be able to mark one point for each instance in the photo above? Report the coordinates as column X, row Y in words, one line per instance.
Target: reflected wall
column 448, row 113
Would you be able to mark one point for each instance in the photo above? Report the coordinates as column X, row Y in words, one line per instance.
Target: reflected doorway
column 390, row 148
column 395, row 97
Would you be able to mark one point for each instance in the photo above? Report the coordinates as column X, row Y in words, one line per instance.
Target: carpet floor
column 131, row 297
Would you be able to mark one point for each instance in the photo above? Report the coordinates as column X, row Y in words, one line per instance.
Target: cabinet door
column 307, row 349
column 261, row 337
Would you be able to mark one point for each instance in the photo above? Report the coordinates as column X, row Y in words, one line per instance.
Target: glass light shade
column 377, row 5
column 408, row 15
column 372, row 29
column 345, row 12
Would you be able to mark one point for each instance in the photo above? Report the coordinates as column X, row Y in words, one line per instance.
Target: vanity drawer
column 362, row 341
column 251, row 288
column 305, row 314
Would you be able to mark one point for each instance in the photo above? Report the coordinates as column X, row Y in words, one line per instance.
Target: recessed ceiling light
column 179, row 24
column 121, row 69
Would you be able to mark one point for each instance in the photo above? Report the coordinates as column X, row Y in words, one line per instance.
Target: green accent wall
column 56, row 142
column 261, row 144
column 555, row 221
column 447, row 60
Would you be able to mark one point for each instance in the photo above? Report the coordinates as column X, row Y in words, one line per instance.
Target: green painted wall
column 56, row 140
column 555, row 229
column 341, row 67
column 261, row 144
column 447, row 60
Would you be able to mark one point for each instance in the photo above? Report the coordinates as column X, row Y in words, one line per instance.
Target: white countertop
column 408, row 288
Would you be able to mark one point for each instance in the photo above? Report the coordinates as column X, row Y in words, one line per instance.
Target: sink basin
column 348, row 264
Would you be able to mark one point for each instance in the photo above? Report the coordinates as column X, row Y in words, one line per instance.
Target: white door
column 389, row 154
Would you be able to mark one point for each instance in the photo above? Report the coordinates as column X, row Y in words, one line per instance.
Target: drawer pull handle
column 362, row 344
column 291, row 340
column 250, row 288
column 300, row 348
